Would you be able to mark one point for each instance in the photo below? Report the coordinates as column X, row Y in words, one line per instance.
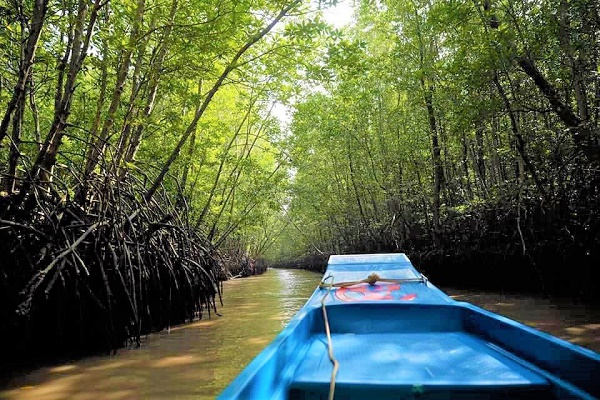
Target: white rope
column 332, row 358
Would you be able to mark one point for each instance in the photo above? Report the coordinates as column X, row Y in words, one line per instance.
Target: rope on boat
column 336, row 364
column 372, row 279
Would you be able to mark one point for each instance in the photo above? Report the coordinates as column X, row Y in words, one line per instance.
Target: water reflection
column 293, row 292
column 194, row 361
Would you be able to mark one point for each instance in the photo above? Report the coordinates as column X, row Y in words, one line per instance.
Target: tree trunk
column 230, row 67
column 15, row 144
column 37, row 22
column 133, row 112
column 359, row 202
column 96, row 151
column 479, row 151
column 35, row 115
column 438, row 173
column 580, row 131
column 191, row 148
column 226, row 150
column 41, row 170
column 134, row 141
column 246, row 211
column 520, row 142
column 234, row 175
column 102, row 96
column 465, row 164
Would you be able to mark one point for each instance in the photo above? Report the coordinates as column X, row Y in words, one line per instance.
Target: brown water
column 193, row 361
column 196, row 361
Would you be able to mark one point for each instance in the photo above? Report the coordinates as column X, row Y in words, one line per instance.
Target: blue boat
column 376, row 328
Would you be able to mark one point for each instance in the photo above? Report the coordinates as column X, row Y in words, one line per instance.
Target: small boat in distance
column 376, row 328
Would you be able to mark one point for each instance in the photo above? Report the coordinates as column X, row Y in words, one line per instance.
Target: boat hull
column 409, row 340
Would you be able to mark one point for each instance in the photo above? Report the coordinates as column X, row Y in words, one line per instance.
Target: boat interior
column 419, row 351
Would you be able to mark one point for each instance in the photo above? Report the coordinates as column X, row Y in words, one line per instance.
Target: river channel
column 197, row 360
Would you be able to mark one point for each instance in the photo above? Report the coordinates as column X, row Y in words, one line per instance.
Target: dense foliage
column 464, row 133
